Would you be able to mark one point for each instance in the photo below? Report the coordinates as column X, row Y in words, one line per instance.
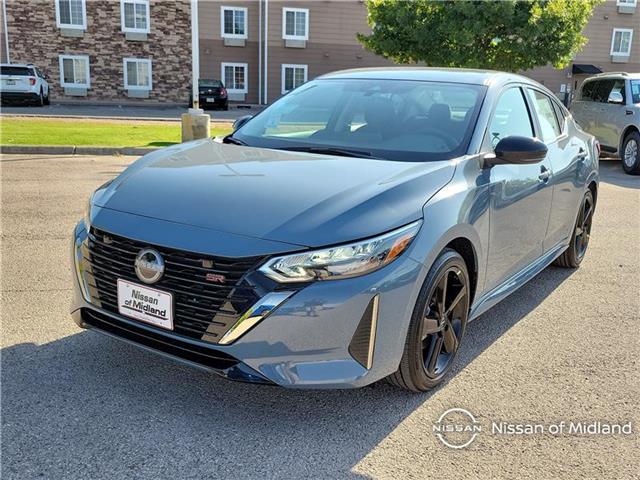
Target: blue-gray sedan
column 346, row 234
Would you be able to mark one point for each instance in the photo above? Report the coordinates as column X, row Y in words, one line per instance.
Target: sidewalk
column 117, row 112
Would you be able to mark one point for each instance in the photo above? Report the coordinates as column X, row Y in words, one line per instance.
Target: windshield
column 391, row 119
column 635, row 91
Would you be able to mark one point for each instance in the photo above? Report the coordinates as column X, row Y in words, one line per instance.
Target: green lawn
column 103, row 133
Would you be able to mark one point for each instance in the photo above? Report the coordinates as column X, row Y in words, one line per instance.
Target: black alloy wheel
column 583, row 226
column 437, row 325
column 443, row 322
column 574, row 254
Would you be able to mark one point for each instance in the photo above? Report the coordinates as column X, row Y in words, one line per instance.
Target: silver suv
column 608, row 106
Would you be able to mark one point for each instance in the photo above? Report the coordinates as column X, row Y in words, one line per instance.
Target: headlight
column 342, row 261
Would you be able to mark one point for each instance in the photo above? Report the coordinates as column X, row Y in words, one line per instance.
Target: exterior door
column 520, row 196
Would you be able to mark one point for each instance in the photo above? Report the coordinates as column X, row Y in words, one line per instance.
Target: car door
column 565, row 154
column 520, row 195
column 612, row 115
column 600, row 95
column 583, row 106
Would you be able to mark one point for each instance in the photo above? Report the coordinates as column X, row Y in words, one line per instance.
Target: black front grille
column 202, row 309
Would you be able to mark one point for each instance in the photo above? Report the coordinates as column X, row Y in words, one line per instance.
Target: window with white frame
column 134, row 15
column 293, row 76
column 74, row 71
column 295, row 23
column 71, row 14
column 233, row 22
column 137, row 73
column 621, row 41
column 234, row 76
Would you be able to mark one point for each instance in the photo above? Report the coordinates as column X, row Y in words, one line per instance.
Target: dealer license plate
column 145, row 304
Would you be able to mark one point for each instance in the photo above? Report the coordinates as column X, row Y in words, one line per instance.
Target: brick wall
column 35, row 38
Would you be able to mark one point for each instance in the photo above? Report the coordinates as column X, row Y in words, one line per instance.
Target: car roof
column 606, row 75
column 453, row 75
column 20, row 65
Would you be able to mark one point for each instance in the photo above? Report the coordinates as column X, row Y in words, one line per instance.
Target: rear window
column 210, row 83
column 18, row 71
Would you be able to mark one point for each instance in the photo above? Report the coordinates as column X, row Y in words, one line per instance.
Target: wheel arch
column 625, row 132
column 464, row 247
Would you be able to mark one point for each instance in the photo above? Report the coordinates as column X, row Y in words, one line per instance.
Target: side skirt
column 505, row 289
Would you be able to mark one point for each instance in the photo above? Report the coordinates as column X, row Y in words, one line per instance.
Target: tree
column 502, row 35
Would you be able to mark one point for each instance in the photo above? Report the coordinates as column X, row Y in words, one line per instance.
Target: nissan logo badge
column 149, row 265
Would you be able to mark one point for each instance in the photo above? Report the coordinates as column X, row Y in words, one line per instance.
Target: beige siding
column 213, row 52
column 332, row 43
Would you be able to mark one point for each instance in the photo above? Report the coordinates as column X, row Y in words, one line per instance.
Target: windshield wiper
column 343, row 152
column 234, row 141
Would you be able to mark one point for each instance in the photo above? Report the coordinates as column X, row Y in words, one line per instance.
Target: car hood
column 298, row 198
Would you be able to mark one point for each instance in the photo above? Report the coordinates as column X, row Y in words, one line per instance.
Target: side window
column 560, row 115
column 511, row 117
column 601, row 91
column 587, row 91
column 549, row 128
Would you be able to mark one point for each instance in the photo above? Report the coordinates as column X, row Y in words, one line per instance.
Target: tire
column 225, row 107
column 429, row 331
column 572, row 257
column 630, row 154
column 40, row 100
column 47, row 101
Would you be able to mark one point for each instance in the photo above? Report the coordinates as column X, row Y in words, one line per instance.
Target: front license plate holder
column 145, row 304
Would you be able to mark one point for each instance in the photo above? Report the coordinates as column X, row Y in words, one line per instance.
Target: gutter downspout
column 6, row 32
column 266, row 50
column 260, row 52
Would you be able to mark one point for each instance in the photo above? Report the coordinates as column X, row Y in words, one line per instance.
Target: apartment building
column 117, row 51
column 613, row 45
column 263, row 49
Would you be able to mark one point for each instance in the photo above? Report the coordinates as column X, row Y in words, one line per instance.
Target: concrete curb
column 73, row 150
column 110, row 118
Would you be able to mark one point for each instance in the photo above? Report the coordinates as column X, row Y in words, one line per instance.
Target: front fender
column 459, row 210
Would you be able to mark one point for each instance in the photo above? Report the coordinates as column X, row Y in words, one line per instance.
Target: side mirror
column 616, row 97
column 518, row 151
column 241, row 121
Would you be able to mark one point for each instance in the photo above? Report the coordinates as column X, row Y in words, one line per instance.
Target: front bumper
column 307, row 342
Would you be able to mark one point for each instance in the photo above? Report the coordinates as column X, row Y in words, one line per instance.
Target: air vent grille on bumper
column 203, row 309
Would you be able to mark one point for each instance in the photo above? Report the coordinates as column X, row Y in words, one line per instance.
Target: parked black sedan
column 212, row 94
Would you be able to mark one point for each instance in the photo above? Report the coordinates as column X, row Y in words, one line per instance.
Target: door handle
column 545, row 173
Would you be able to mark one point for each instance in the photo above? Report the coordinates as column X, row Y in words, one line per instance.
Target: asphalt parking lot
column 76, row 404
